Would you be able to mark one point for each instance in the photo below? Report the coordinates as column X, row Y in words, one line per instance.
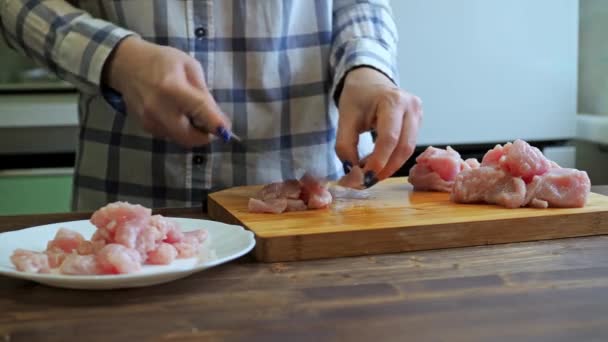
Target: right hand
column 165, row 89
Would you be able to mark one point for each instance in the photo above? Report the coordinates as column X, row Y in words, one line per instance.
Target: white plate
column 224, row 243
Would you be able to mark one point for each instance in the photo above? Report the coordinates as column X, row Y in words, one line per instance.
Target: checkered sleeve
column 364, row 34
column 62, row 38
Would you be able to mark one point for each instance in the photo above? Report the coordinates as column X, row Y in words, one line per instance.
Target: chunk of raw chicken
column 116, row 259
column 164, row 254
column 314, row 194
column 489, row 185
column 292, row 195
column 118, row 214
column 559, row 187
column 30, row 261
column 75, row 264
column 271, row 206
column 519, row 159
column 65, row 240
column 436, row 169
column 127, row 236
column 423, row 179
column 354, row 179
column 288, row 189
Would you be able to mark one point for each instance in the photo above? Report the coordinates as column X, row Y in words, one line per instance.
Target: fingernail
column 347, row 166
column 223, row 133
column 370, row 179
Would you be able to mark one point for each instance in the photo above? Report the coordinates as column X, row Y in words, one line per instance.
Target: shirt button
column 200, row 32
column 197, row 160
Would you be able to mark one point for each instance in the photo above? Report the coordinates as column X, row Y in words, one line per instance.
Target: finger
column 347, row 141
column 407, row 141
column 196, row 75
column 389, row 113
column 182, row 132
column 202, row 109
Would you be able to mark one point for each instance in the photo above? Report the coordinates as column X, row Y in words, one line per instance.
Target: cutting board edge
column 410, row 239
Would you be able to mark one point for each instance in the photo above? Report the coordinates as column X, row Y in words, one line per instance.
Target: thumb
column 347, row 141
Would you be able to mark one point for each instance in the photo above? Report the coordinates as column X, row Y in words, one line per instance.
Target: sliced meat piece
column 492, row 157
column 519, row 159
column 489, row 185
column 30, row 261
column 75, row 264
column 65, row 240
column 470, row 163
column 126, row 234
column 163, row 225
column 296, row 205
column 271, row 206
column 90, row 247
column 425, row 179
column 354, row 179
column 560, row 187
column 164, row 254
column 119, row 213
column 340, row 192
column 187, row 249
column 314, row 193
column 174, row 234
column 199, row 235
column 319, row 200
column 436, row 169
column 287, row 189
column 116, row 259
column 55, row 257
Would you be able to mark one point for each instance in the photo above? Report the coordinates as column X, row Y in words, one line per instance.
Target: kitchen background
column 489, row 71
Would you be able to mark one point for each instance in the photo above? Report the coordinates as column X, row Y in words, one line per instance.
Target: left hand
column 370, row 101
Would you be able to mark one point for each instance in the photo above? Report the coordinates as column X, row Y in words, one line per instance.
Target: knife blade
column 230, row 137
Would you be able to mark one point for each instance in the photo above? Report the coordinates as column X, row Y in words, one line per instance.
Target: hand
column 369, row 101
column 165, row 89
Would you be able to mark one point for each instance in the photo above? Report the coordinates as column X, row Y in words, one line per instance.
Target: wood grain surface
column 396, row 219
column 551, row 290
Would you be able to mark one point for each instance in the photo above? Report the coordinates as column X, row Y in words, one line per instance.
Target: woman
column 294, row 79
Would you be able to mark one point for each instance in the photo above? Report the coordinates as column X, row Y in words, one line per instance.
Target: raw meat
column 519, row 159
column 55, row 257
column 353, row 179
column 559, row 187
column 116, row 259
column 118, row 213
column 314, row 193
column 518, row 169
column 88, row 247
column 271, row 206
column 296, row 205
column 164, row 254
column 291, row 195
column 79, row 265
column 340, row 192
column 65, row 240
column 127, row 237
column 288, row 189
column 30, row 261
column 489, row 185
column 423, row 179
column 436, row 169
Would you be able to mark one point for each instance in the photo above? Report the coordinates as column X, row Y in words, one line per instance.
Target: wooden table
column 540, row 291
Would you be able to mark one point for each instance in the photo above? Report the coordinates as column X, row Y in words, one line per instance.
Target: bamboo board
column 396, row 219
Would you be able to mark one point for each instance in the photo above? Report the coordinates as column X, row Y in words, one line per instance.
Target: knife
column 230, row 137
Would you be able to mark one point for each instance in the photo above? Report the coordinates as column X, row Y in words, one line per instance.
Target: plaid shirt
column 272, row 66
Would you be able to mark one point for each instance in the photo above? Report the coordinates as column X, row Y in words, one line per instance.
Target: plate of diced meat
column 122, row 245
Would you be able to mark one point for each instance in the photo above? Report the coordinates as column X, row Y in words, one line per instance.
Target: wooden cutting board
column 395, row 219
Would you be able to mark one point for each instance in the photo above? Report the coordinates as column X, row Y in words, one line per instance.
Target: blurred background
column 488, row 71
